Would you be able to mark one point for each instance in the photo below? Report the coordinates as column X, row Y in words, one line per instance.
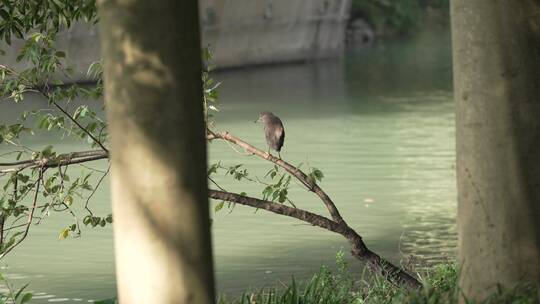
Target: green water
column 379, row 124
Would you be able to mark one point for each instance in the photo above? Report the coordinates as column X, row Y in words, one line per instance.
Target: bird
column 273, row 130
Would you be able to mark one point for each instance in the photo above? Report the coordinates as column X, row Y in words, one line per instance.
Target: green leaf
column 23, row 178
column 18, row 32
column 26, row 298
column 95, row 221
column 63, row 234
column 213, row 169
column 36, row 37
column 60, row 54
column 7, row 38
column 48, row 151
column 20, row 291
column 282, row 196
column 318, row 174
column 219, row 206
column 267, row 191
column 275, row 195
column 5, row 15
column 87, row 186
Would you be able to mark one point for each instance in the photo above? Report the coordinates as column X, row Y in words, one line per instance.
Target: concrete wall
column 247, row 32
column 240, row 33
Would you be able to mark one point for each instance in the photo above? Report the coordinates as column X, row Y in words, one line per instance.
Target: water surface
column 378, row 122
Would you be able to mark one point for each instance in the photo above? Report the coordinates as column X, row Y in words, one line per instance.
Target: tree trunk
column 496, row 48
column 152, row 63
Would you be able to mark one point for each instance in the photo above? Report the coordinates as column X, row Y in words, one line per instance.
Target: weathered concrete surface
column 247, row 32
column 240, row 33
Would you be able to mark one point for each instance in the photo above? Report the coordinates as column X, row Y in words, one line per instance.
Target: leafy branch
column 45, row 172
column 337, row 224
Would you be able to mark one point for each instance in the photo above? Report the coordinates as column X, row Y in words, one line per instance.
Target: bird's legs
column 279, row 153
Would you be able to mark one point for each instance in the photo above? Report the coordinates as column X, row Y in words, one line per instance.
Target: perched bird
column 274, row 131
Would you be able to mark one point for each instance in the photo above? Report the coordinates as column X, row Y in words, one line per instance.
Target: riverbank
column 340, row 286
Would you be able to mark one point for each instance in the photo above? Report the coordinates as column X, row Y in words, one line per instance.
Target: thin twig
column 30, row 217
column 214, row 182
column 297, row 173
column 94, row 191
column 74, row 120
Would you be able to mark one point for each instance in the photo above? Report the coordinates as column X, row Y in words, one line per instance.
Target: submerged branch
column 374, row 262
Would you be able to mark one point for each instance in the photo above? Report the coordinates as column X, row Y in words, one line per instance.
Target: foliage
column 400, row 16
column 29, row 181
column 210, row 92
column 14, row 296
column 21, row 17
column 38, row 182
column 340, row 286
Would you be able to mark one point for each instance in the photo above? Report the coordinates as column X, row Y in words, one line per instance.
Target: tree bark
column 359, row 250
column 496, row 47
column 153, row 94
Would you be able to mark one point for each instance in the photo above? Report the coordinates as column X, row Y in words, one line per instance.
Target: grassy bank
column 340, row 286
column 343, row 286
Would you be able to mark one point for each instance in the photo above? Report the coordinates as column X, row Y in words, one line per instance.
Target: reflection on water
column 379, row 124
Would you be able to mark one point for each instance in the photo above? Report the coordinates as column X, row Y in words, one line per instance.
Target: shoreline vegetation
column 380, row 19
column 341, row 285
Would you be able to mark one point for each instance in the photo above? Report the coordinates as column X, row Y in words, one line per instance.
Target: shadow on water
column 378, row 122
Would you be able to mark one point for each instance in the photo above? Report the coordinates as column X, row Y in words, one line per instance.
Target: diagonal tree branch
column 359, row 250
column 301, row 176
column 303, row 215
column 337, row 224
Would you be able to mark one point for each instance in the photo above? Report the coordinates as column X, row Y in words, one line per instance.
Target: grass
column 340, row 286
